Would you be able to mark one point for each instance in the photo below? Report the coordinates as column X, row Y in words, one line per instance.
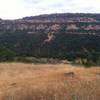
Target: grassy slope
column 48, row 82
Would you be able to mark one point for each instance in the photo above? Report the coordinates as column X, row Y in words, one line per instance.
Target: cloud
column 11, row 9
column 64, row 5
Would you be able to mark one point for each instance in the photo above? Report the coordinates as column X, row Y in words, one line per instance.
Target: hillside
column 63, row 36
column 68, row 21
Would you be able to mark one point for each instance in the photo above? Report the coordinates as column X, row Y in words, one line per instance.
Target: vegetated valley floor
column 20, row 81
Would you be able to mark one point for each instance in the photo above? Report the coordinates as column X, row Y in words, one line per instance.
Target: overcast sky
column 12, row 9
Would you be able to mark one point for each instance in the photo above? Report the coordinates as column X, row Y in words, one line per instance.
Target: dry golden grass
column 48, row 82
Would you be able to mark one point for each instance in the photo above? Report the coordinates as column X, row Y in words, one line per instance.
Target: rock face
column 70, row 22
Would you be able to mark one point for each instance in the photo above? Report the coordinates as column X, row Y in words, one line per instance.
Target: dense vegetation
column 64, row 46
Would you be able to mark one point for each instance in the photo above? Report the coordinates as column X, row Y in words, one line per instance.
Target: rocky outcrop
column 53, row 22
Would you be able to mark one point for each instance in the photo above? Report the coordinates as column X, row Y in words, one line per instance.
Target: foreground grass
column 48, row 82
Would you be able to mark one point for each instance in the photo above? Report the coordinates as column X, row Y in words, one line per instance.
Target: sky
column 14, row 9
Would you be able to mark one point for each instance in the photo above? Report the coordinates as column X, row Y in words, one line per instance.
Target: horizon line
column 49, row 14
